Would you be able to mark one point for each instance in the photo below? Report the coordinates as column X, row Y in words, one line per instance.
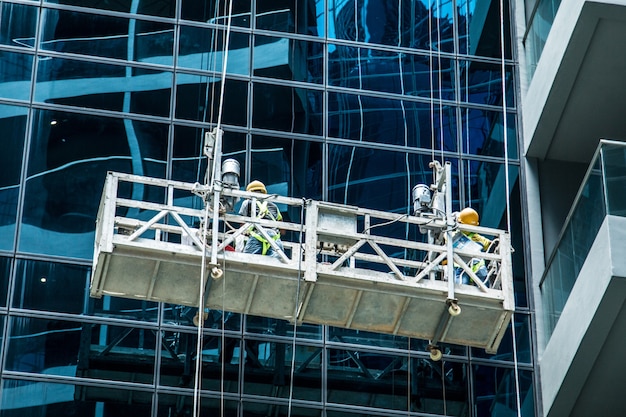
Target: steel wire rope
column 296, row 308
column 430, row 82
column 440, row 78
column 507, row 198
column 198, row 368
column 211, row 64
column 361, row 116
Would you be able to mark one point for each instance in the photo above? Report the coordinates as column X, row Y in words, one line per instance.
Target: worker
column 470, row 216
column 264, row 210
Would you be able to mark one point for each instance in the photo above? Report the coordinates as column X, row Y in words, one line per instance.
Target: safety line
column 198, row 367
column 507, row 197
column 296, row 308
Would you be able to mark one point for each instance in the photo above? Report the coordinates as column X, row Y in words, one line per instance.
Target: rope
column 439, row 78
column 295, row 310
column 507, row 196
column 198, row 367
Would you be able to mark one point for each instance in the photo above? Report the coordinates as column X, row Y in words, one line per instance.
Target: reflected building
column 346, row 101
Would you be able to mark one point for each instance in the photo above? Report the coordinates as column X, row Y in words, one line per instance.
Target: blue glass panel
column 15, row 74
column 189, row 163
column 18, row 23
column 485, row 190
column 13, row 121
column 43, row 346
column 275, row 358
column 301, row 16
column 288, row 59
column 198, row 98
column 378, row 179
column 496, row 391
column 483, row 133
column 381, row 120
column 481, row 83
column 50, row 286
column 217, row 12
column 107, row 36
column 203, row 49
column 399, row 73
column 287, row 167
column 287, row 109
column 162, row 8
column 614, row 162
column 5, row 276
column 70, row 155
column 48, row 399
column 124, row 308
column 405, row 23
column 106, row 350
column 103, row 86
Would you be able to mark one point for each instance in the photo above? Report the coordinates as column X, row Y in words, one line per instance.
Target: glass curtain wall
column 340, row 100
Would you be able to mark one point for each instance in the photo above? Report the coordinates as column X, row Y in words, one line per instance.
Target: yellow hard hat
column 256, row 186
column 468, row 216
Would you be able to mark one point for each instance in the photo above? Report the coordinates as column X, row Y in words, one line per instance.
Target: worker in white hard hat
column 470, row 216
column 264, row 209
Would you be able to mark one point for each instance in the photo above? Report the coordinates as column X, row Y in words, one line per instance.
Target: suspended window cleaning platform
column 342, row 266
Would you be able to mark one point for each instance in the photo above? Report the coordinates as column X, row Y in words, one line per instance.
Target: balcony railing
column 601, row 194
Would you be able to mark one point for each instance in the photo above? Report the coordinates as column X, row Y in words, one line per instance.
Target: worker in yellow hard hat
column 470, row 217
column 264, row 209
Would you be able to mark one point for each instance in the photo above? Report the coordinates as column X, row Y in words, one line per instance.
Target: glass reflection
column 481, row 83
column 106, row 351
column 15, row 75
column 70, row 155
column 400, row 73
column 221, row 356
column 288, row 59
column 5, row 276
column 287, row 109
column 182, row 404
column 124, row 308
column 106, row 36
column 203, row 49
column 381, row 120
column 43, row 346
column 12, row 119
column 485, row 190
column 483, row 133
column 271, row 365
column 18, row 25
column 287, row 167
column 50, row 286
column 407, row 24
column 163, row 8
column 216, row 12
column 496, row 390
column 299, row 16
column 48, row 399
column 103, row 86
column 379, row 179
column 198, row 98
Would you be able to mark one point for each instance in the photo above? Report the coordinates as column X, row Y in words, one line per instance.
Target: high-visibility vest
column 263, row 211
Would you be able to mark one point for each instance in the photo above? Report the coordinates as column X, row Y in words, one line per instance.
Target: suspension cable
column 507, row 196
column 198, row 367
column 296, row 308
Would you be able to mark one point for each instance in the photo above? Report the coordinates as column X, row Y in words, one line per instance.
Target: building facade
column 571, row 80
column 340, row 100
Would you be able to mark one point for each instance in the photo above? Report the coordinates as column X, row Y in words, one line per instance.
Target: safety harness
column 263, row 212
